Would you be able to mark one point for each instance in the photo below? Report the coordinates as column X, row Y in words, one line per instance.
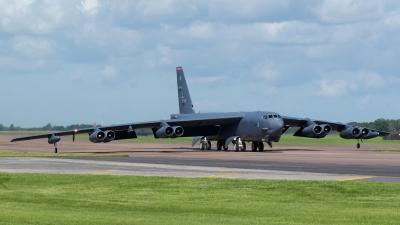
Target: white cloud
column 89, row 6
column 108, row 72
column 336, row 88
column 350, row 11
column 32, row 48
column 266, row 71
column 371, row 80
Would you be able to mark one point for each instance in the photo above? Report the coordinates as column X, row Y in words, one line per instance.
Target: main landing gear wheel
column 260, row 146
column 202, row 146
column 243, row 147
column 254, row 146
column 358, row 144
column 219, row 145
column 55, row 147
column 236, row 146
column 208, row 145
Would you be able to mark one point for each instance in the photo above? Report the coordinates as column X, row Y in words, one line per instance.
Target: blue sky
column 83, row 61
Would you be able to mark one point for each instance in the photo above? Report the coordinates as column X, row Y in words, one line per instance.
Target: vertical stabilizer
column 185, row 102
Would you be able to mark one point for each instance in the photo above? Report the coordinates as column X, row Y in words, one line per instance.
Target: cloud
column 32, row 48
column 266, row 71
column 108, row 72
column 336, row 88
column 371, row 80
column 89, row 6
column 351, row 11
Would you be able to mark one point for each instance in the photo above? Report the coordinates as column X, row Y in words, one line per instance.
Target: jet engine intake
column 351, row 133
column 165, row 132
column 371, row 134
column 97, row 136
column 312, row 131
column 110, row 135
column 178, row 132
column 326, row 129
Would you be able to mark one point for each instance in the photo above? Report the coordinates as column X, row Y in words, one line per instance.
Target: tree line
column 381, row 124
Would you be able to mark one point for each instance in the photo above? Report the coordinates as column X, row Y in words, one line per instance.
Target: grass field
column 7, row 153
column 385, row 149
column 91, row 199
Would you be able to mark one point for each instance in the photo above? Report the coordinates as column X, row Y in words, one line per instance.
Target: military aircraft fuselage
column 253, row 126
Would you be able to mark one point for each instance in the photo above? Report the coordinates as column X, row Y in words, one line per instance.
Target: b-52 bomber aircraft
column 224, row 128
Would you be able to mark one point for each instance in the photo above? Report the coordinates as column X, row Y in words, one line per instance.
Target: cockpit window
column 270, row 116
column 275, row 116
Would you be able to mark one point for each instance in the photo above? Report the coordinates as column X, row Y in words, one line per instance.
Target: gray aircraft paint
column 256, row 127
column 185, row 102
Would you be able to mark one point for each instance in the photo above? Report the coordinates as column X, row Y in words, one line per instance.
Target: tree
column 381, row 124
column 12, row 128
column 2, row 127
column 47, row 127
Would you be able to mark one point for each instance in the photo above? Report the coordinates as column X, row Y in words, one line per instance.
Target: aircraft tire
column 236, row 146
column 208, row 145
column 226, row 149
column 358, row 145
column 260, row 146
column 254, row 146
column 202, row 147
column 219, row 146
column 243, row 147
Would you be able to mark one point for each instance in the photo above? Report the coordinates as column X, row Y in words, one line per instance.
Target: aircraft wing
column 302, row 122
column 189, row 122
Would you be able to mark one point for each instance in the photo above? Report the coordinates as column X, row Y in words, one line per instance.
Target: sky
column 87, row 61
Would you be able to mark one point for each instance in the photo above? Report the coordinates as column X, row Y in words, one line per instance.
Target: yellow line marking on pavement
column 223, row 175
column 105, row 172
column 355, row 178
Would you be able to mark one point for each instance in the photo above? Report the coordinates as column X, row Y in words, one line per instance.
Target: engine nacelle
column 110, row 135
column 326, row 129
column 165, row 132
column 368, row 134
column 312, row 131
column 53, row 139
column 178, row 132
column 97, row 136
column 351, row 133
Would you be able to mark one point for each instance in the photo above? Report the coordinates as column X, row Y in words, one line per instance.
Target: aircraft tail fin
column 185, row 102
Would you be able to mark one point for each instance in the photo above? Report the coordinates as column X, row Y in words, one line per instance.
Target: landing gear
column 219, row 145
column 254, row 146
column 260, row 146
column 55, row 147
column 243, row 147
column 239, row 145
column 358, row 143
column 204, row 144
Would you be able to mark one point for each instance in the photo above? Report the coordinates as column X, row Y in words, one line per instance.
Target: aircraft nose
column 276, row 125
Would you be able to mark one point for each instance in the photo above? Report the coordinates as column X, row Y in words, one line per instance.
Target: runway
column 157, row 159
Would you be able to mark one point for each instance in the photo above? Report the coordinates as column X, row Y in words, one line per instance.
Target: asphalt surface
column 157, row 159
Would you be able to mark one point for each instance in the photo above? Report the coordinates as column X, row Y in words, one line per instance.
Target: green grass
column 101, row 199
column 385, row 149
column 7, row 153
